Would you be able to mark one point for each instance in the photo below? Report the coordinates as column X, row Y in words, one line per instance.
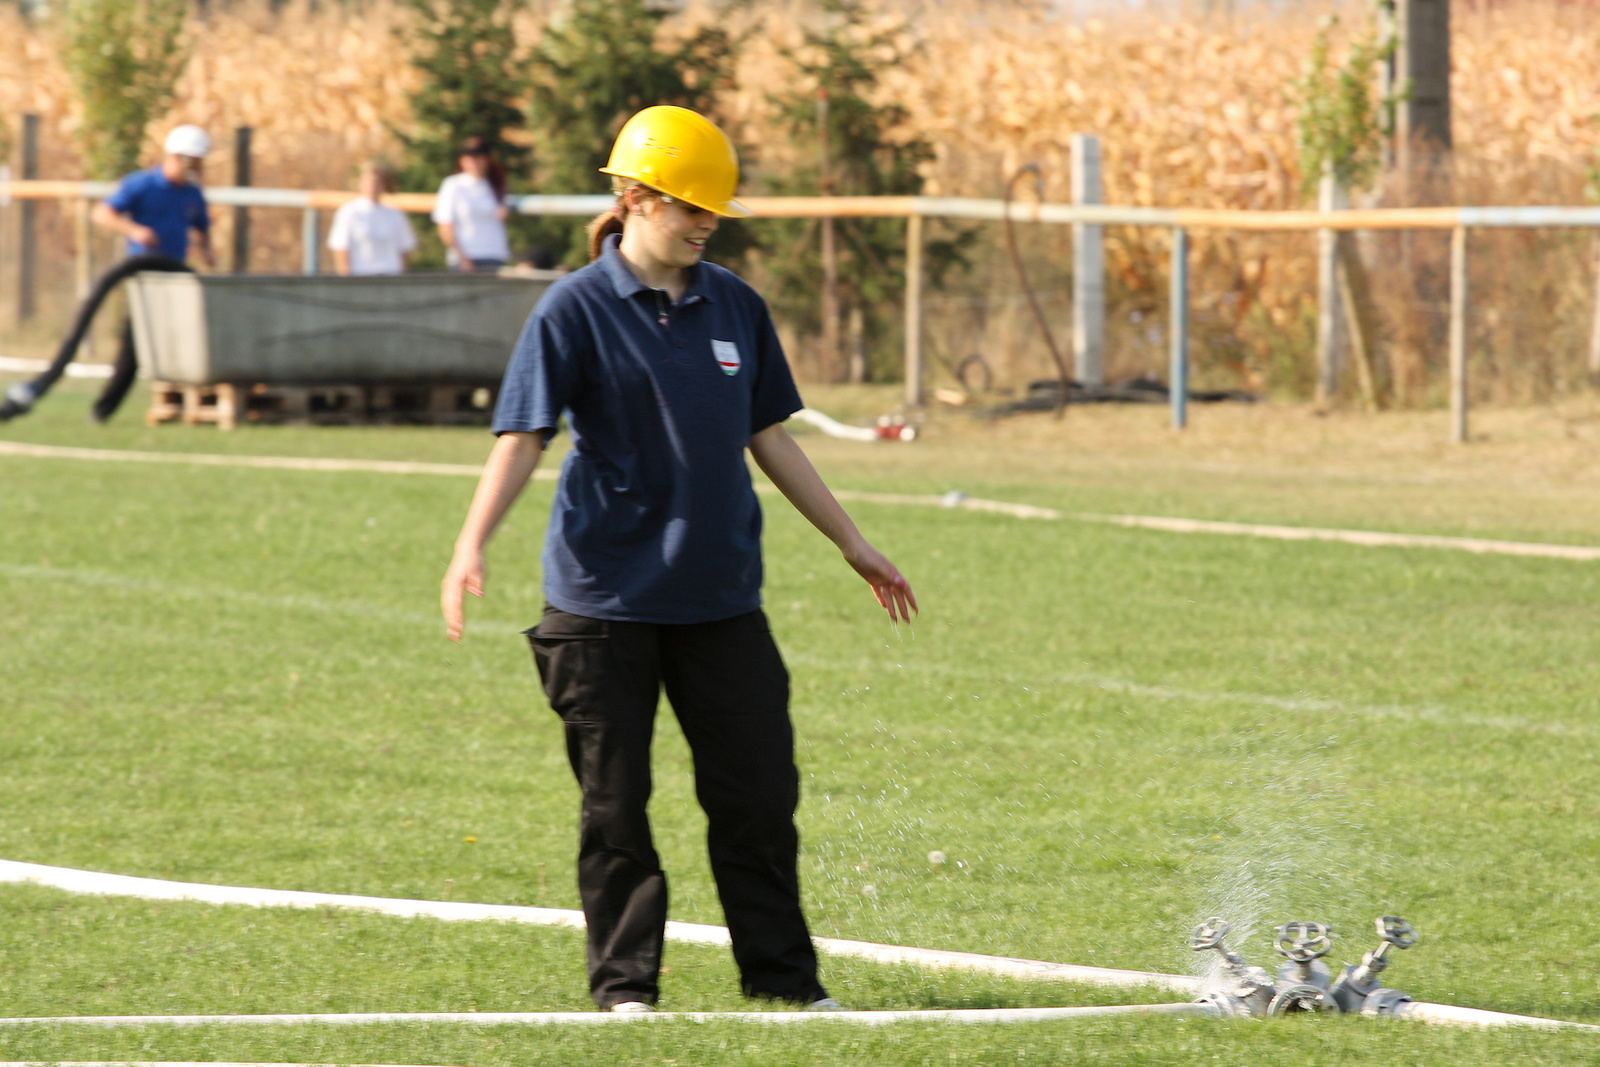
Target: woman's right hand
column 510, row 465
column 465, row 574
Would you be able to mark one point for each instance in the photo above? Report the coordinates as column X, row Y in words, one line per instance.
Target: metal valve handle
column 1396, row 931
column 1209, row 934
column 1303, row 942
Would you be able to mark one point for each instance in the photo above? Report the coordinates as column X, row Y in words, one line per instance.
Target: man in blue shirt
column 156, row 208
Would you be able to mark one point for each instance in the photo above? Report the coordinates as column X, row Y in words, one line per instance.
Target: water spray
column 1303, row 983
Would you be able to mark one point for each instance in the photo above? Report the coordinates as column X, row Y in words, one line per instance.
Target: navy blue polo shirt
column 149, row 198
column 655, row 519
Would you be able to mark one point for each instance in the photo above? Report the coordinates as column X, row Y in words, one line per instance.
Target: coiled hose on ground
column 20, row 398
column 1022, row 278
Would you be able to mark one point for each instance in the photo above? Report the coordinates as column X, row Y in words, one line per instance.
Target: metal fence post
column 241, row 214
column 1330, row 197
column 914, row 371
column 1458, row 334
column 28, row 237
column 829, row 250
column 1594, row 330
column 1179, row 300
column 310, row 247
column 1088, row 266
column 83, row 266
column 83, row 234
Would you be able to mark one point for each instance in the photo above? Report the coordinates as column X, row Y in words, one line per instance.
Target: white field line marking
column 311, row 604
column 1435, row 715
column 96, row 883
column 14, row 365
column 357, row 609
column 119, row 885
column 1419, row 1011
column 1450, row 1014
column 1367, row 538
column 286, row 463
column 295, row 602
column 1439, row 716
column 1364, row 538
column 603, row 1018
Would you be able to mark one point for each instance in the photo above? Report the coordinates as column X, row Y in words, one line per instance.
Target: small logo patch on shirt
column 727, row 355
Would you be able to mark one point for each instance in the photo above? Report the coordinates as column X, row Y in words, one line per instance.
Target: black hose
column 20, row 398
column 1022, row 277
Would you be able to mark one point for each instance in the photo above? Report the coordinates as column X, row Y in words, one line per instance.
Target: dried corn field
column 1191, row 111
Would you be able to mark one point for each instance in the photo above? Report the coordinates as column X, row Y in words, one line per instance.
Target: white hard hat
column 189, row 141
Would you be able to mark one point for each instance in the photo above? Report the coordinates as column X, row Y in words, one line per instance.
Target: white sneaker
column 630, row 1007
column 825, row 1004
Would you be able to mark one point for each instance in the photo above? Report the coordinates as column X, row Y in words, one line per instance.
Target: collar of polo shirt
column 625, row 284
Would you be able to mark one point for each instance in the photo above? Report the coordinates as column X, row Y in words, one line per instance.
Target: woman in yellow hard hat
column 667, row 369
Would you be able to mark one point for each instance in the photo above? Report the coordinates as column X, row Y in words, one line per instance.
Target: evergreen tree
column 124, row 58
column 866, row 157
column 472, row 85
column 1342, row 125
column 599, row 62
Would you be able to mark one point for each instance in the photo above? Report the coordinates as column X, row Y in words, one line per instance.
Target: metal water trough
column 417, row 329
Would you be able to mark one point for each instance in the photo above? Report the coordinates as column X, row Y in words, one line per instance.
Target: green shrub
column 598, row 63
column 869, row 155
column 472, row 85
column 124, row 58
column 1342, row 125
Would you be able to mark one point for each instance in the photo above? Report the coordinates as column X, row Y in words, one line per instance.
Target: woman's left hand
column 888, row 584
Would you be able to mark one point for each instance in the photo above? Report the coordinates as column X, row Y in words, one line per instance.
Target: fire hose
column 1022, row 278
column 20, row 398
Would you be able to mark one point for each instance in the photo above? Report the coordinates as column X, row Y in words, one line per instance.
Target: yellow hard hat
column 680, row 153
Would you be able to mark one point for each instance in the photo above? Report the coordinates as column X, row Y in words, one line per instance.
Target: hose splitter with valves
column 1304, row 983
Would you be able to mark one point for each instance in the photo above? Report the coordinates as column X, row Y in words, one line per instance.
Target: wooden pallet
column 192, row 404
column 226, row 404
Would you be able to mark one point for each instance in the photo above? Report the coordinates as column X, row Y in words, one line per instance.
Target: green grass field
column 238, row 676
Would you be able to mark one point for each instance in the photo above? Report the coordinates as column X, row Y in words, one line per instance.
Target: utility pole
column 241, row 214
column 830, row 256
column 28, row 238
column 1388, row 39
column 1422, row 81
column 1088, row 266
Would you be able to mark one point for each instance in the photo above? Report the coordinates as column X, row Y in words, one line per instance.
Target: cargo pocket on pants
column 568, row 651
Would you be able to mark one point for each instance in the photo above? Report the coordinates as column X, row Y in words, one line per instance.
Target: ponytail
column 609, row 222
column 602, row 226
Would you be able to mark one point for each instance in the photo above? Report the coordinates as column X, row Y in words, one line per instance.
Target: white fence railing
column 1458, row 220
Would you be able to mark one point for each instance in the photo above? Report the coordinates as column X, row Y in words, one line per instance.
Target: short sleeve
column 444, row 206
column 405, row 236
column 339, row 232
column 776, row 397
column 125, row 197
column 542, row 378
column 199, row 216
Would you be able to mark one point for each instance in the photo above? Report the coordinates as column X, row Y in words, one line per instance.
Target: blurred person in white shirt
column 367, row 237
column 471, row 210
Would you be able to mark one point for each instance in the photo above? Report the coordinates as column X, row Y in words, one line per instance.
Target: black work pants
column 729, row 688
